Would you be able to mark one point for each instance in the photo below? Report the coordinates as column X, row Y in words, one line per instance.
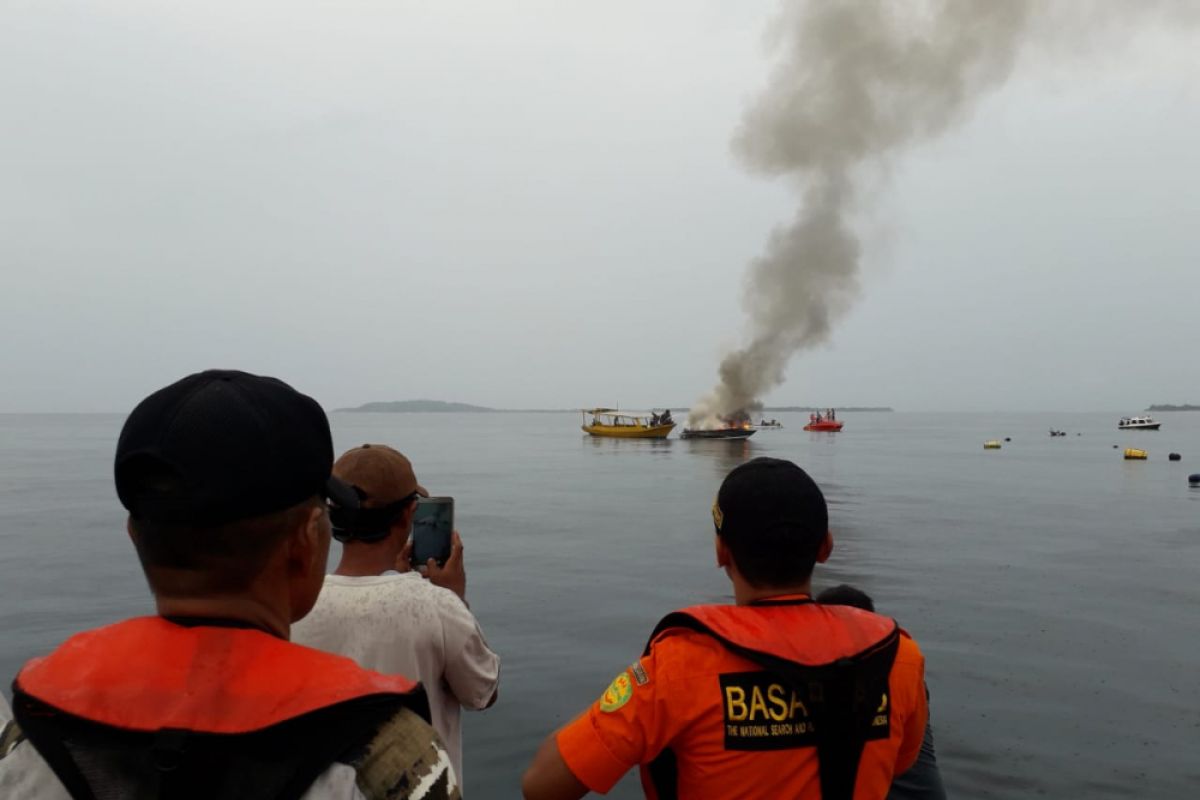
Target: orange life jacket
column 836, row 658
column 199, row 708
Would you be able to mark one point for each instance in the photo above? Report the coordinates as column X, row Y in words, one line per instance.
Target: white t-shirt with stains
column 400, row 623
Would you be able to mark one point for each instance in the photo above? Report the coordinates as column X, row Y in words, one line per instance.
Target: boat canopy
column 639, row 417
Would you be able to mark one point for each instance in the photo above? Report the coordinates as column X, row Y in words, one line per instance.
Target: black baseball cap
column 769, row 497
column 224, row 445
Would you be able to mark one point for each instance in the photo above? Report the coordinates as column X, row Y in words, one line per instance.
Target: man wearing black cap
column 775, row 696
column 225, row 476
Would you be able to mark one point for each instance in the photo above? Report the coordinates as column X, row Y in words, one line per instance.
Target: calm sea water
column 1054, row 587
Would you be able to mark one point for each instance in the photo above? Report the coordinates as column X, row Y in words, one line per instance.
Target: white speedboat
column 1138, row 423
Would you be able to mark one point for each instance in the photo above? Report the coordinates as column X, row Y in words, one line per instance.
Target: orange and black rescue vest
column 835, row 659
column 199, row 709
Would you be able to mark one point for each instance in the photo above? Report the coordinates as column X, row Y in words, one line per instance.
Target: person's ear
column 826, row 548
column 305, row 555
column 304, row 546
column 402, row 527
column 724, row 559
column 133, row 534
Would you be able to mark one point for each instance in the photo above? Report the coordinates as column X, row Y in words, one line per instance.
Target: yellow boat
column 627, row 425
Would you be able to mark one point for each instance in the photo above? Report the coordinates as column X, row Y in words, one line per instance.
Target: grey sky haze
column 535, row 204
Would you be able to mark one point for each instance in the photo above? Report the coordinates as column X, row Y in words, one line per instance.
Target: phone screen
column 433, row 523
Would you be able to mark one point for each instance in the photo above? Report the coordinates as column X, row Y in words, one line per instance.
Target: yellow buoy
column 991, row 444
column 1133, row 454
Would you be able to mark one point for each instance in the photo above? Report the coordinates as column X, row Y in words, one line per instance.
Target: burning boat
column 735, row 426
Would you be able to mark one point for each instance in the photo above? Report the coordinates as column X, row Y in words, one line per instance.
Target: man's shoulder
column 683, row 652
column 908, row 652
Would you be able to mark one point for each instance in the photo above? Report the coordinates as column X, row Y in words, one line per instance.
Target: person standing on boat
column 386, row 616
column 225, row 476
column 775, row 696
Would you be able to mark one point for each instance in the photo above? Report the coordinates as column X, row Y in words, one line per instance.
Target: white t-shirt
column 402, row 623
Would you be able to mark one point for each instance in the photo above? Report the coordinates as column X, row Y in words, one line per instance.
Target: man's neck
column 744, row 594
column 247, row 609
column 359, row 560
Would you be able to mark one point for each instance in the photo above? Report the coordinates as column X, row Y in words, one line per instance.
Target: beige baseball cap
column 381, row 474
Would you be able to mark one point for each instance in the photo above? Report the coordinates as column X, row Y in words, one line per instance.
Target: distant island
column 416, row 406
column 1184, row 407
column 809, row 409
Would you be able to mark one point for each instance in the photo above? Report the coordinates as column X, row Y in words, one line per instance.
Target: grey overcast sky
column 534, row 204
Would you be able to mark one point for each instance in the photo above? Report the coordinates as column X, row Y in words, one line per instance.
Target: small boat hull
column 630, row 431
column 830, row 426
column 1152, row 426
column 717, row 433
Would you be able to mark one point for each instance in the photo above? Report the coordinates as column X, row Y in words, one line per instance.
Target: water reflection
column 722, row 454
column 604, row 445
column 822, row 437
column 725, row 454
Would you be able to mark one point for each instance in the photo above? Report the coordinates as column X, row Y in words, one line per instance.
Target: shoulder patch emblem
column 639, row 674
column 617, row 694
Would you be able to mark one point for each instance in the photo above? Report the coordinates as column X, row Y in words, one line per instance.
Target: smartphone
column 433, row 523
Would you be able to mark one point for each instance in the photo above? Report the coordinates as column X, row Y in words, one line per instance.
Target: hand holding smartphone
column 433, row 526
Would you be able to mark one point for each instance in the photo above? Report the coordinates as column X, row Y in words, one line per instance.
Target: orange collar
column 148, row 673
